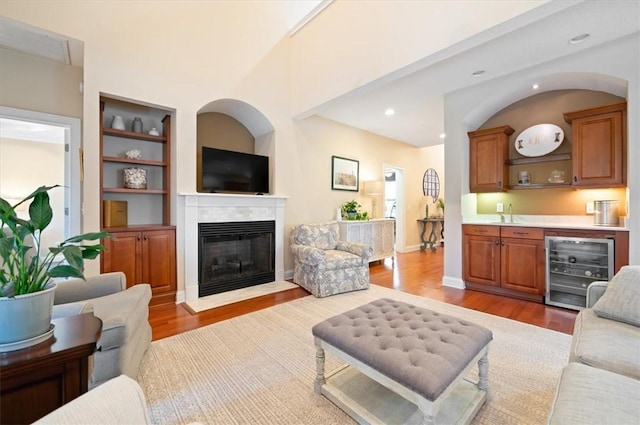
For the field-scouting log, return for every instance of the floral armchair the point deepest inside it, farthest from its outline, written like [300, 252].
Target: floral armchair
[325, 265]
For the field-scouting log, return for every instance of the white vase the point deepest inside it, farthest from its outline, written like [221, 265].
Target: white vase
[117, 123]
[25, 317]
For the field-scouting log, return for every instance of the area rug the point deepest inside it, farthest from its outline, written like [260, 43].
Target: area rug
[259, 368]
[230, 297]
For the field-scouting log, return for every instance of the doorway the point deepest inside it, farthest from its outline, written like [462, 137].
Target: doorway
[39, 149]
[394, 202]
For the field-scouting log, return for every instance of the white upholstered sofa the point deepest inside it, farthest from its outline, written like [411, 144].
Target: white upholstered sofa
[126, 333]
[601, 383]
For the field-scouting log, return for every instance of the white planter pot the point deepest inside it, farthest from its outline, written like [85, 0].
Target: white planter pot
[25, 317]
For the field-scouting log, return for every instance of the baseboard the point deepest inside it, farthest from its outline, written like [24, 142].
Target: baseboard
[180, 297]
[288, 274]
[453, 282]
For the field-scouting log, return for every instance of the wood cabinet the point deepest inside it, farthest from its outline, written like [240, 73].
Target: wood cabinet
[379, 234]
[599, 146]
[504, 260]
[144, 247]
[488, 153]
[144, 256]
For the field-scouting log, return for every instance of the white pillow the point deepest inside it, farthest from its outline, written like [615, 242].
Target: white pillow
[621, 300]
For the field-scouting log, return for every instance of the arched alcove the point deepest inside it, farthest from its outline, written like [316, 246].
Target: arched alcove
[508, 94]
[232, 124]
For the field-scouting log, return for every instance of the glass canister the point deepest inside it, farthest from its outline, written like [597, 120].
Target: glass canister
[135, 178]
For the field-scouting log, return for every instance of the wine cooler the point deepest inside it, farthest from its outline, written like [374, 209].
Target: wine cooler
[572, 264]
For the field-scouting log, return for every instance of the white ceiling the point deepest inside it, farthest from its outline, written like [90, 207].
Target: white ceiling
[418, 98]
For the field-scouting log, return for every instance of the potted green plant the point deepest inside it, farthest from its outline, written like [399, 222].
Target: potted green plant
[350, 209]
[27, 270]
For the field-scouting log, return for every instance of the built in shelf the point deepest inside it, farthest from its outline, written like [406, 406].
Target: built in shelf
[132, 135]
[132, 191]
[134, 161]
[540, 159]
[539, 186]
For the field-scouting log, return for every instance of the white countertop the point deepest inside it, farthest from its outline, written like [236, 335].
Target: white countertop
[550, 222]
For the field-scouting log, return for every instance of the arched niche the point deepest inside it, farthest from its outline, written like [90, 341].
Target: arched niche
[235, 125]
[501, 99]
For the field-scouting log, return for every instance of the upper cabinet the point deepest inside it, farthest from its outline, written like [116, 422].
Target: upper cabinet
[599, 146]
[488, 153]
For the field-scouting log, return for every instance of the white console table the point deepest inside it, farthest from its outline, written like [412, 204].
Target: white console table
[377, 233]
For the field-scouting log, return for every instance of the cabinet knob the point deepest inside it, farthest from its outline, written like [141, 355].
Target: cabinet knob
[575, 179]
[138, 238]
[145, 237]
[502, 243]
[497, 241]
[500, 183]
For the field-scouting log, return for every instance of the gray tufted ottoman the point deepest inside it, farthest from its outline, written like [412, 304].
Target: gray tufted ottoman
[405, 364]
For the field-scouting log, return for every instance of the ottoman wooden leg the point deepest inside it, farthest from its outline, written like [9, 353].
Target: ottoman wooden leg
[320, 380]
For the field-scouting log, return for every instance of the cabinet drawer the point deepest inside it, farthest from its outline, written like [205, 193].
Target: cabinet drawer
[522, 232]
[481, 230]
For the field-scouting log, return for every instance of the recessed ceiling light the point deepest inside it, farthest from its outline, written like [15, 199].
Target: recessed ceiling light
[477, 73]
[442, 135]
[389, 111]
[535, 87]
[579, 38]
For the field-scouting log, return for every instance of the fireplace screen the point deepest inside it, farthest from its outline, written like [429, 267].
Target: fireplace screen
[235, 255]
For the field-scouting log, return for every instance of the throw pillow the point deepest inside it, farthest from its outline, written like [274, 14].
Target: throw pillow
[621, 299]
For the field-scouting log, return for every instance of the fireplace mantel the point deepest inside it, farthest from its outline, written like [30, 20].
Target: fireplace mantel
[219, 208]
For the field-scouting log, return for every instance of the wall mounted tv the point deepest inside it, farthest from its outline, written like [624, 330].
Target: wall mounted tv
[227, 171]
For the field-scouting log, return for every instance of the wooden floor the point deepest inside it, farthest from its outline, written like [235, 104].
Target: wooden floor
[418, 273]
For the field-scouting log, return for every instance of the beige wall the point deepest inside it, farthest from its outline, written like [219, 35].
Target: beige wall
[309, 162]
[547, 107]
[220, 131]
[37, 84]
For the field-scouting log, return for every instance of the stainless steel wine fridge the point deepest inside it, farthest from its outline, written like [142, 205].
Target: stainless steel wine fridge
[572, 264]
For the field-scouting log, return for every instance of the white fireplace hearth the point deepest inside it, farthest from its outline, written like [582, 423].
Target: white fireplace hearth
[221, 208]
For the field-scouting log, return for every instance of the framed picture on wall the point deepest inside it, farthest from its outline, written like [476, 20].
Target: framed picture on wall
[344, 174]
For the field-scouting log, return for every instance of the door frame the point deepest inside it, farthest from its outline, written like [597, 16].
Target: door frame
[401, 217]
[72, 166]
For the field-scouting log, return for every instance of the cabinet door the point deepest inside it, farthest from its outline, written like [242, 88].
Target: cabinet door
[488, 153]
[522, 265]
[481, 262]
[598, 150]
[159, 260]
[122, 255]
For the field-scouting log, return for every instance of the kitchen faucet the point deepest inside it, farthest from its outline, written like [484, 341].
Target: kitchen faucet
[510, 214]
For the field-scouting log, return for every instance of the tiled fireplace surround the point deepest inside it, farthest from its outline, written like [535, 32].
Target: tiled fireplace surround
[220, 208]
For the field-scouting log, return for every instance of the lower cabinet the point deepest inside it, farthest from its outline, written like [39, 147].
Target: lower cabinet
[144, 255]
[379, 234]
[505, 260]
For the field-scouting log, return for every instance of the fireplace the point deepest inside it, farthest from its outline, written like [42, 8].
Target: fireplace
[234, 255]
[214, 208]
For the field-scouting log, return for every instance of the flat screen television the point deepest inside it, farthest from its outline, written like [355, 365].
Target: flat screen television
[227, 171]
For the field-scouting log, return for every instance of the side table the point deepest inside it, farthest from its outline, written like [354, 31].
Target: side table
[431, 240]
[36, 380]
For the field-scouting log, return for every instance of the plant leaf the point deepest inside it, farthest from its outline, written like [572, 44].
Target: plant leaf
[88, 237]
[90, 252]
[73, 255]
[65, 271]
[40, 212]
